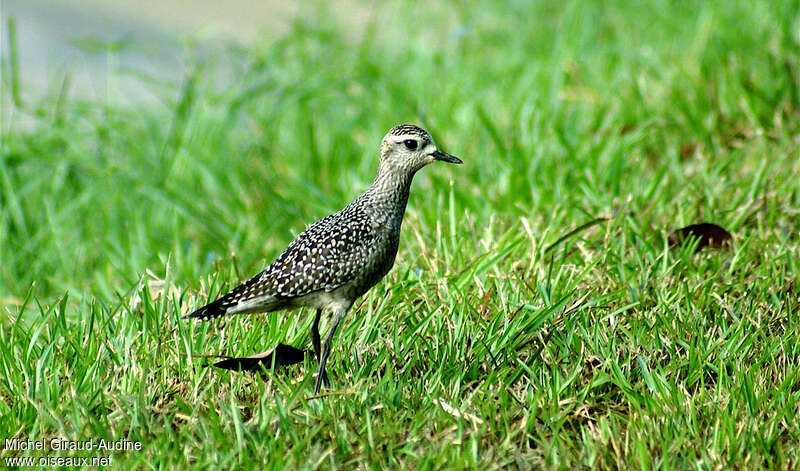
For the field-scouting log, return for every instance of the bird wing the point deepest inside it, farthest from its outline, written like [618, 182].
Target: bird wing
[325, 256]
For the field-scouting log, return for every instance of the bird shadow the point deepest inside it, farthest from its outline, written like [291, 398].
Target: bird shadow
[281, 355]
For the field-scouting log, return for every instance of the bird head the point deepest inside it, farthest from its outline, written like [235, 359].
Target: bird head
[408, 148]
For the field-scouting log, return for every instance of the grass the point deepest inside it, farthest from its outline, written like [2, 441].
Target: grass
[496, 341]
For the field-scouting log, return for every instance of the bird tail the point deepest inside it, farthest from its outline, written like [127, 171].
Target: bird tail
[209, 311]
[248, 297]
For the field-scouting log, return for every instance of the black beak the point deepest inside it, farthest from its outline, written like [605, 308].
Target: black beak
[439, 155]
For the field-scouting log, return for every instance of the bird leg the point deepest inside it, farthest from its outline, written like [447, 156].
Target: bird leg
[326, 348]
[315, 343]
[315, 333]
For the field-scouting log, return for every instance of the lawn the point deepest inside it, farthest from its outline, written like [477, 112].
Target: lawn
[536, 315]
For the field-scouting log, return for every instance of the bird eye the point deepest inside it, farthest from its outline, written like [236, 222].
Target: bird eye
[410, 144]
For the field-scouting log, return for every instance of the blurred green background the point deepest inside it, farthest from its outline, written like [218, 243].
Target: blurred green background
[584, 108]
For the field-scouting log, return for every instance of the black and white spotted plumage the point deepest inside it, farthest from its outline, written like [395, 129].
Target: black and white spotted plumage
[351, 246]
[338, 258]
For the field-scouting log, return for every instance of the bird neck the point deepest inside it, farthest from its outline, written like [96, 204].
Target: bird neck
[390, 189]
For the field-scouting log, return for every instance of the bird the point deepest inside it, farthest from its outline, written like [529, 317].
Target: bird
[339, 258]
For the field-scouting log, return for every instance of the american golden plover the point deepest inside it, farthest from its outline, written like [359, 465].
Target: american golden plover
[337, 259]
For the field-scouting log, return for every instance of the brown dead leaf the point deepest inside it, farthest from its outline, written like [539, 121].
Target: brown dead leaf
[709, 235]
[687, 150]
